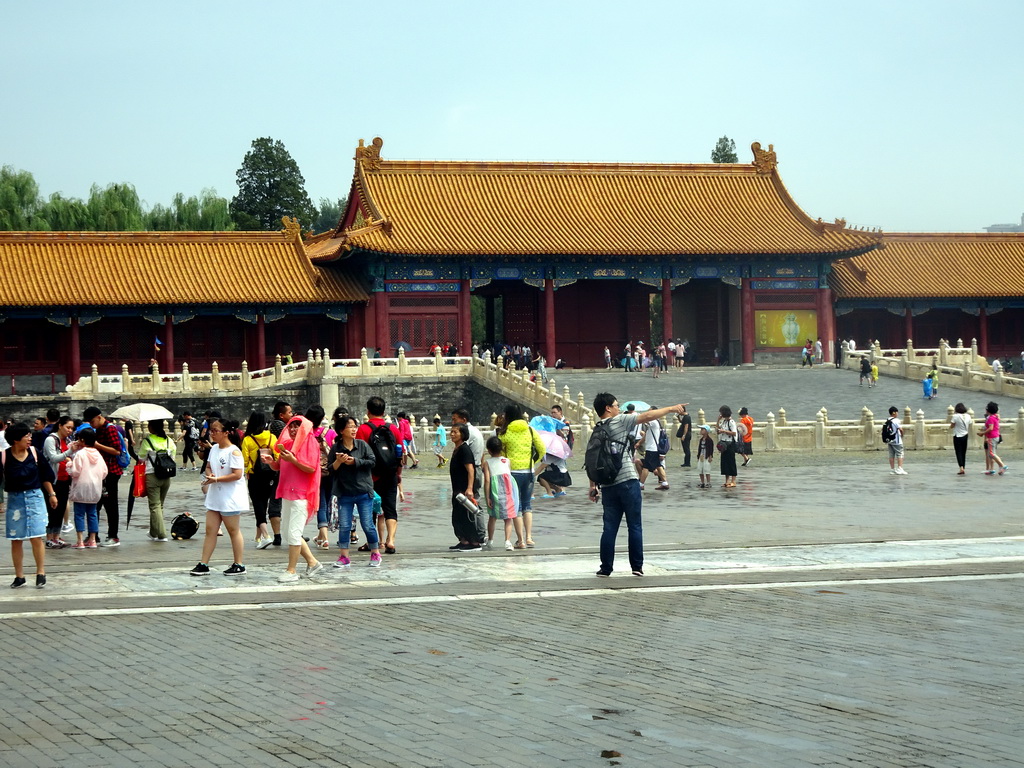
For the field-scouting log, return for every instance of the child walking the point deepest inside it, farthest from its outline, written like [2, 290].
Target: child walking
[87, 470]
[705, 453]
[440, 441]
[502, 491]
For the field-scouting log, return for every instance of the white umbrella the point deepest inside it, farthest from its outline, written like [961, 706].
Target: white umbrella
[142, 412]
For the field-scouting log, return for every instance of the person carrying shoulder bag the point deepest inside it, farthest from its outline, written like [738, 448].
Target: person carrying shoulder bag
[160, 468]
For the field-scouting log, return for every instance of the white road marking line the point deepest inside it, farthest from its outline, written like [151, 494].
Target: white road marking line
[582, 592]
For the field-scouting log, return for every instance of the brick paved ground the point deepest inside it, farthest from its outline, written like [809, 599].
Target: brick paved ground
[682, 671]
[908, 674]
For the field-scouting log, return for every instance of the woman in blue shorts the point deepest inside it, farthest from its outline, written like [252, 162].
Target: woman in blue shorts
[27, 478]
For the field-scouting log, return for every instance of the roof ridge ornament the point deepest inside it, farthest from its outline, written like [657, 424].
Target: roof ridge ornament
[370, 156]
[764, 161]
[292, 229]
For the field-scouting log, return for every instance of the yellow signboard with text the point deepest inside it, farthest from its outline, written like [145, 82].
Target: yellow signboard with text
[785, 327]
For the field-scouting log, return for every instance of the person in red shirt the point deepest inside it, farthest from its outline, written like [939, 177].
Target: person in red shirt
[385, 480]
[747, 443]
[108, 443]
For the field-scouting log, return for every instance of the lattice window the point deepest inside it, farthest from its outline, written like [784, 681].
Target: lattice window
[434, 302]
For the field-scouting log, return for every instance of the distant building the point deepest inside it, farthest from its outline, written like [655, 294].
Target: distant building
[1007, 227]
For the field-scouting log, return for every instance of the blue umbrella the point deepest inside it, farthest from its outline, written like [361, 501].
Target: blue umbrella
[546, 424]
[638, 405]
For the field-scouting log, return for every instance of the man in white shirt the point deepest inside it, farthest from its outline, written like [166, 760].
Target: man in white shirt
[653, 461]
[896, 444]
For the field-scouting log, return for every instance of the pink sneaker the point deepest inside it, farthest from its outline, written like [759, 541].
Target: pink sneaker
[91, 545]
[342, 562]
[79, 545]
[375, 560]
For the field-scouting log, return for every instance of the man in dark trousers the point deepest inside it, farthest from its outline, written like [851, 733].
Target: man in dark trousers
[684, 434]
[385, 481]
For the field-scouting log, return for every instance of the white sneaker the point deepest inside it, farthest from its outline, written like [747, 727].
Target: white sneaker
[508, 546]
[901, 471]
[264, 542]
[893, 472]
[286, 578]
[68, 527]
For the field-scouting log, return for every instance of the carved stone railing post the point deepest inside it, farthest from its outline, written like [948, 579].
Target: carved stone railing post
[943, 352]
[214, 377]
[94, 379]
[1018, 438]
[868, 420]
[325, 359]
[974, 351]
[364, 362]
[186, 378]
[278, 370]
[782, 417]
[245, 376]
[403, 366]
[973, 441]
[126, 379]
[154, 377]
[920, 433]
[910, 349]
[438, 362]
[819, 431]
[965, 375]
[769, 432]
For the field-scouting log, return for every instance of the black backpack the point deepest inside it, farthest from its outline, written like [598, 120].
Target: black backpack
[888, 431]
[164, 465]
[260, 468]
[385, 449]
[604, 455]
[183, 527]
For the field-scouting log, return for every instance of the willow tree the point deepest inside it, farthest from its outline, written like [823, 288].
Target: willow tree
[19, 201]
[115, 208]
[206, 213]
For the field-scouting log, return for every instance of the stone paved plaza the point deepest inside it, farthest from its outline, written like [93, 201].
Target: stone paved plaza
[824, 613]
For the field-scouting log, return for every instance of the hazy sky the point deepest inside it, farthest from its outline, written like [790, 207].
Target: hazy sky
[902, 115]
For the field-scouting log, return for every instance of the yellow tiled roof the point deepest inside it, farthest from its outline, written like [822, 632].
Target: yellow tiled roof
[142, 268]
[947, 265]
[517, 208]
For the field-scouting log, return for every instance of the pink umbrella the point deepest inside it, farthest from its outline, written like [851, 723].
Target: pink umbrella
[555, 444]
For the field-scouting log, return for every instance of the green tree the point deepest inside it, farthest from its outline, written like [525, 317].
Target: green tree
[66, 214]
[270, 186]
[115, 208]
[330, 214]
[206, 213]
[19, 201]
[724, 151]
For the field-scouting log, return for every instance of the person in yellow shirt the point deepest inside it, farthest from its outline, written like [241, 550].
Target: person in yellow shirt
[259, 477]
[524, 448]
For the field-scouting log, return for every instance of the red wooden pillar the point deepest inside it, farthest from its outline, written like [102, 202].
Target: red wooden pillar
[261, 342]
[168, 343]
[826, 323]
[465, 318]
[747, 320]
[75, 367]
[908, 326]
[377, 333]
[983, 333]
[549, 321]
[666, 310]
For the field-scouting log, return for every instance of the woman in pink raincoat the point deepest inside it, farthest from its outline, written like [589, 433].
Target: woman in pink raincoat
[299, 491]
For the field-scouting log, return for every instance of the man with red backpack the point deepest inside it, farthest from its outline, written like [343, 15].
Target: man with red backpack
[386, 443]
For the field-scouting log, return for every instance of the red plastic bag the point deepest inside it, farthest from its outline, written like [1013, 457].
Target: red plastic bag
[139, 481]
